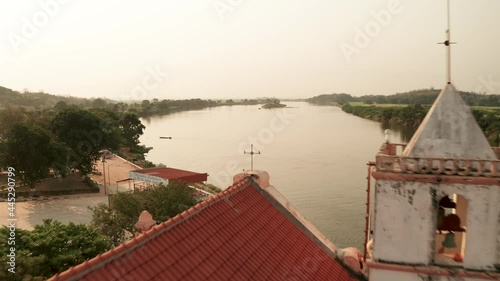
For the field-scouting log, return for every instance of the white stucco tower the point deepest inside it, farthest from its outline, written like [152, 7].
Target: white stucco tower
[437, 201]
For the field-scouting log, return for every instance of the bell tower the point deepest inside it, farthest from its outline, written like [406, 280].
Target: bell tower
[437, 198]
[436, 210]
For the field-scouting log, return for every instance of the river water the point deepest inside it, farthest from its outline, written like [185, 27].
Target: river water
[316, 156]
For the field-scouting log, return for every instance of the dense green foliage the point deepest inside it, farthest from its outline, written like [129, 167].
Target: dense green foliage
[81, 131]
[425, 96]
[32, 152]
[331, 99]
[490, 124]
[118, 220]
[35, 142]
[157, 107]
[412, 115]
[37, 100]
[43, 101]
[132, 129]
[50, 248]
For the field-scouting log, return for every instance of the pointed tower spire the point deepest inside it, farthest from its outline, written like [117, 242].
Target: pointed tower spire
[449, 129]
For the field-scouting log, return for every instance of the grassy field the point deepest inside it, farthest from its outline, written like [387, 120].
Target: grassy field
[491, 109]
[359, 103]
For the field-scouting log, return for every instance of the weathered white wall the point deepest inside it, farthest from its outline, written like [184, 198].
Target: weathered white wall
[405, 221]
[387, 275]
[449, 278]
[498, 238]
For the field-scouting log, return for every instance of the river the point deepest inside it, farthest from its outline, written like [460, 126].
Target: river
[316, 156]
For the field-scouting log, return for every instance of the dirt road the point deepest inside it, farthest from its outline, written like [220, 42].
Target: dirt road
[117, 171]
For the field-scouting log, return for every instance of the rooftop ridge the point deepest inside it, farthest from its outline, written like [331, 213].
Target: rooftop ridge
[270, 221]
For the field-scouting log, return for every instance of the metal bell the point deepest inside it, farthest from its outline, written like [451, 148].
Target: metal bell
[449, 241]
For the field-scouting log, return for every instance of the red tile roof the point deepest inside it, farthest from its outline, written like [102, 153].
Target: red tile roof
[243, 233]
[174, 174]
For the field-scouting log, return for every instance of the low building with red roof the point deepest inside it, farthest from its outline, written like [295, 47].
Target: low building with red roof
[164, 175]
[247, 232]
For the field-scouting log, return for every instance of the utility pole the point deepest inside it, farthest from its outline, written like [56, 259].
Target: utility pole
[251, 155]
[104, 173]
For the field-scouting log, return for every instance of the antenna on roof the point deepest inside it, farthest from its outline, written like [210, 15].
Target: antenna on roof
[251, 155]
[447, 44]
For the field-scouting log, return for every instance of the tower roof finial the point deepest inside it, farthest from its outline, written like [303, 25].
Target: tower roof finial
[447, 44]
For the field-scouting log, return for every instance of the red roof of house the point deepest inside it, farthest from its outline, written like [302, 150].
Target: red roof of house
[174, 174]
[246, 232]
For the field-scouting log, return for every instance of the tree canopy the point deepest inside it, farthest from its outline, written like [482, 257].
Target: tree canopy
[81, 131]
[423, 96]
[63, 139]
[50, 248]
[30, 150]
[131, 128]
[163, 202]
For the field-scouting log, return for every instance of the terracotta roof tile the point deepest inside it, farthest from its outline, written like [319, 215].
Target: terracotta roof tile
[241, 234]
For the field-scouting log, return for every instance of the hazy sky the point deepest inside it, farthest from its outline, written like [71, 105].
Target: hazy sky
[242, 49]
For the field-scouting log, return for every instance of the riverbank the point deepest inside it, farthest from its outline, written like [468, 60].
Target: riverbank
[407, 115]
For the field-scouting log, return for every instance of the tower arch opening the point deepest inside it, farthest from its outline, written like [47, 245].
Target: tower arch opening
[450, 230]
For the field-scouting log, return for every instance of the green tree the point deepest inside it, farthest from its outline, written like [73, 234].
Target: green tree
[132, 129]
[50, 248]
[109, 223]
[30, 151]
[81, 131]
[99, 103]
[163, 202]
[9, 117]
[110, 126]
[60, 105]
[145, 106]
[120, 107]
[27, 266]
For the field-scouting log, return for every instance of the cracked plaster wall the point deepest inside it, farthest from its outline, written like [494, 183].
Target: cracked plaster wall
[405, 219]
